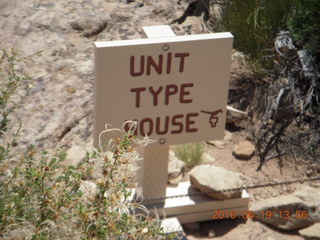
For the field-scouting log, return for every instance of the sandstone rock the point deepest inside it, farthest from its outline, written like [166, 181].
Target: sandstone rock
[270, 238]
[312, 232]
[54, 41]
[289, 203]
[309, 194]
[235, 115]
[244, 150]
[221, 143]
[207, 159]
[239, 68]
[210, 178]
[76, 152]
[192, 25]
[176, 169]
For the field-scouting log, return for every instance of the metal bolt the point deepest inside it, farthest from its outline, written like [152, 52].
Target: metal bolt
[162, 140]
[165, 47]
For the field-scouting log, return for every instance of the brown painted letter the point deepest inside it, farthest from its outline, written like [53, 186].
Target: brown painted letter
[155, 94]
[181, 56]
[175, 123]
[166, 126]
[157, 67]
[136, 74]
[183, 93]
[137, 91]
[141, 126]
[171, 89]
[169, 58]
[190, 122]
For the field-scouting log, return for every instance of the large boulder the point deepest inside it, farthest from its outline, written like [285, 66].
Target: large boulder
[54, 41]
[208, 178]
[295, 211]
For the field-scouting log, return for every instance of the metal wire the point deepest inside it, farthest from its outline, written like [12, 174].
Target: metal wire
[270, 184]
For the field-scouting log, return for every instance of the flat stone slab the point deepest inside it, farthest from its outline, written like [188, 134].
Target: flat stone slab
[244, 150]
[208, 178]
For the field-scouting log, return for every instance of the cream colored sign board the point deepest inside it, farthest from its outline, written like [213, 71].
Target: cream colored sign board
[176, 88]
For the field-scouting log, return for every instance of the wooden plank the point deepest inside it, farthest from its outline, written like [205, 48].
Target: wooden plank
[196, 208]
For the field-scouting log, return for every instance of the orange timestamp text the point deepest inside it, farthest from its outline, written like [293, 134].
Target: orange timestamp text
[248, 214]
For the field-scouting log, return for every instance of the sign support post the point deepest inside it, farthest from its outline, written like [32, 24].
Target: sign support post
[153, 173]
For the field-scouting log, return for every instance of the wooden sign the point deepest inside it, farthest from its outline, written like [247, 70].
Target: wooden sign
[175, 87]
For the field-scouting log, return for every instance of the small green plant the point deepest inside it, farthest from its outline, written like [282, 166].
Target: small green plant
[190, 153]
[11, 80]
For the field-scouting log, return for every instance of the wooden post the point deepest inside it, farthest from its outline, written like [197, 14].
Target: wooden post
[153, 173]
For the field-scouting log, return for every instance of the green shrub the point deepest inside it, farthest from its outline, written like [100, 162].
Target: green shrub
[10, 81]
[255, 24]
[190, 153]
[41, 197]
[304, 26]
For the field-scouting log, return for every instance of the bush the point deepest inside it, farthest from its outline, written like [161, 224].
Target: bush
[304, 26]
[255, 24]
[189, 153]
[291, 98]
[43, 198]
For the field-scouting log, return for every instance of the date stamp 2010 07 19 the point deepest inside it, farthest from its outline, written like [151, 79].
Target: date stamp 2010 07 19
[248, 214]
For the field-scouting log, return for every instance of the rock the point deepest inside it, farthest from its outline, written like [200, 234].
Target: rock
[211, 233]
[289, 203]
[270, 238]
[176, 169]
[312, 232]
[210, 178]
[235, 115]
[76, 152]
[244, 150]
[54, 41]
[191, 25]
[239, 69]
[207, 158]
[308, 194]
[221, 143]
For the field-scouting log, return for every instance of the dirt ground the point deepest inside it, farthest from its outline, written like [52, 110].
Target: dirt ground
[251, 229]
